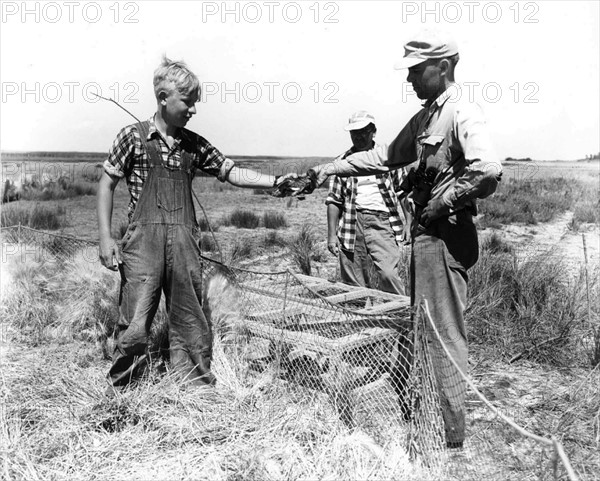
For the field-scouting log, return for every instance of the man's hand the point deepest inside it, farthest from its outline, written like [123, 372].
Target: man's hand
[110, 256]
[321, 173]
[434, 209]
[285, 185]
[333, 245]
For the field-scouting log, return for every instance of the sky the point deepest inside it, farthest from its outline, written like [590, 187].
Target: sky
[282, 78]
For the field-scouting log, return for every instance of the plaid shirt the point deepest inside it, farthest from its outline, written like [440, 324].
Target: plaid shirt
[342, 192]
[127, 157]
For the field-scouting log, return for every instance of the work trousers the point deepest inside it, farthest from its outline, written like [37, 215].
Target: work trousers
[375, 261]
[440, 258]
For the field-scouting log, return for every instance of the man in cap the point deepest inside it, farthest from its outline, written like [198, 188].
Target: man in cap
[456, 165]
[365, 221]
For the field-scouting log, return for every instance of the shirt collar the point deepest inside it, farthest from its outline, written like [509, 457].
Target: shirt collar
[152, 131]
[440, 100]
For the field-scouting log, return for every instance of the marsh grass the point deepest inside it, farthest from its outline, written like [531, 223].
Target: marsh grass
[527, 306]
[242, 218]
[530, 201]
[274, 220]
[241, 249]
[205, 225]
[585, 212]
[56, 423]
[303, 248]
[62, 188]
[37, 217]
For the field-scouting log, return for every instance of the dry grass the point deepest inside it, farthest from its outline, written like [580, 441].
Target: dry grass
[56, 422]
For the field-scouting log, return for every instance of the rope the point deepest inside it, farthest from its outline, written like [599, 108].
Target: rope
[545, 441]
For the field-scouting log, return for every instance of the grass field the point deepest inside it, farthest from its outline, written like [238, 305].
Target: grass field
[529, 304]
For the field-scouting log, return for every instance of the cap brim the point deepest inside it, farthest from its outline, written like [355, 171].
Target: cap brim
[357, 125]
[408, 62]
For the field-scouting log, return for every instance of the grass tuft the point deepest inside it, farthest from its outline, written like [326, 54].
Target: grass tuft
[241, 218]
[274, 220]
[303, 248]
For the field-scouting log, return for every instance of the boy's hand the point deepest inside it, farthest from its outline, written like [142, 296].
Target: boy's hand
[110, 256]
[333, 245]
[293, 185]
[306, 184]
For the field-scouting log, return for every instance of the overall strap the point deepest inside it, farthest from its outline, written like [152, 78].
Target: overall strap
[187, 148]
[152, 148]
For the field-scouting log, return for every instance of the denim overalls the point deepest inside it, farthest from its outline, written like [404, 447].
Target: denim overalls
[160, 252]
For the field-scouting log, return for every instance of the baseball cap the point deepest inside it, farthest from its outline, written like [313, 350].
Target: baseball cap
[359, 120]
[427, 44]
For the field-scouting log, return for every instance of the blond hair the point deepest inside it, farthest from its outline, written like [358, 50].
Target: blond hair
[172, 75]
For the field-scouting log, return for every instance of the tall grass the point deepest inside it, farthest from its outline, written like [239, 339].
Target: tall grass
[63, 188]
[37, 217]
[530, 201]
[585, 212]
[303, 248]
[528, 307]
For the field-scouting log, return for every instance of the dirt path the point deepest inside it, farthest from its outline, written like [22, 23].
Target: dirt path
[556, 239]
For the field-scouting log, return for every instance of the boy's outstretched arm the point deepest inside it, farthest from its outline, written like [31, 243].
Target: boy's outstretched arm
[109, 251]
[248, 178]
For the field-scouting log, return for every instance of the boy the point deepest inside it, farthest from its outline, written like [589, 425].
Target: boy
[159, 251]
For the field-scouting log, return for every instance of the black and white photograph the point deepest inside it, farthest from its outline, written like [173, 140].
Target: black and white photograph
[300, 240]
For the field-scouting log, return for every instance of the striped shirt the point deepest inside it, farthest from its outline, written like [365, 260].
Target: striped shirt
[128, 158]
[342, 192]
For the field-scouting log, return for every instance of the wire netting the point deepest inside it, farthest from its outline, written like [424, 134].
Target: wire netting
[381, 365]
[385, 370]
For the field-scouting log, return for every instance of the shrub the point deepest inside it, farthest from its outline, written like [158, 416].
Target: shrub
[244, 219]
[38, 217]
[274, 220]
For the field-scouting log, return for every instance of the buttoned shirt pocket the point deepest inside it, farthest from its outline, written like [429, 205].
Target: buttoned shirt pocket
[430, 149]
[170, 194]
